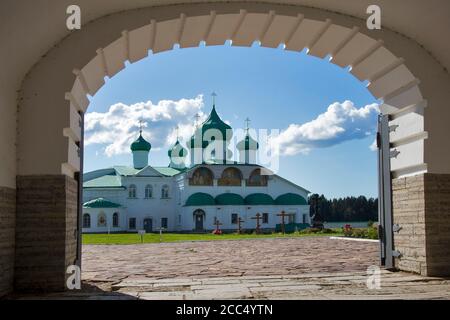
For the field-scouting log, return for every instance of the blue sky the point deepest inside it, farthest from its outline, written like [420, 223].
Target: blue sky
[276, 89]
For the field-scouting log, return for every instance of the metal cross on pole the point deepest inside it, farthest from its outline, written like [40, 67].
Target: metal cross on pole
[258, 225]
[282, 215]
[247, 124]
[240, 221]
[160, 234]
[217, 223]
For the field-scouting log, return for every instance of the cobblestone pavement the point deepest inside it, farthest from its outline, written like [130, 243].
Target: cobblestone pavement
[290, 268]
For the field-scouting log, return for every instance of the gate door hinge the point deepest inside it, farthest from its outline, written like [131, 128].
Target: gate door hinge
[396, 254]
[393, 128]
[394, 153]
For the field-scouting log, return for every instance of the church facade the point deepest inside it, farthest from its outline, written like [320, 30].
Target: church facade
[213, 191]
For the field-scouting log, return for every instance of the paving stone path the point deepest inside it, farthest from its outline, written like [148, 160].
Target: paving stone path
[289, 268]
[279, 256]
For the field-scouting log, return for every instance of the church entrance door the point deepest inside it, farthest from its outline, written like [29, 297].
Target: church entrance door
[148, 225]
[199, 217]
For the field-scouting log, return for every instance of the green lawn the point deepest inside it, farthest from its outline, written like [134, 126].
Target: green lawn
[133, 238]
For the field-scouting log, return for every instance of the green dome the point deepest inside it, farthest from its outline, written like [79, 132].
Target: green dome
[200, 199]
[140, 144]
[227, 199]
[290, 199]
[248, 144]
[212, 123]
[100, 203]
[259, 199]
[177, 151]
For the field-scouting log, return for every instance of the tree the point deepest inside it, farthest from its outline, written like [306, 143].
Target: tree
[349, 209]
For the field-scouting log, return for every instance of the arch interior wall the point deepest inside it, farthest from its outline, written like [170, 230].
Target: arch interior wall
[410, 83]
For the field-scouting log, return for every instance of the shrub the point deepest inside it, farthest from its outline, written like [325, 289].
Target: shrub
[372, 233]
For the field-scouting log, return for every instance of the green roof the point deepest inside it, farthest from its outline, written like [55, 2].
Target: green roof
[140, 144]
[290, 199]
[229, 199]
[167, 171]
[177, 151]
[100, 203]
[248, 144]
[200, 199]
[107, 181]
[259, 199]
[126, 171]
[213, 122]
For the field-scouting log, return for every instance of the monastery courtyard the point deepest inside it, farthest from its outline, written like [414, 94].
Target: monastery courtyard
[289, 268]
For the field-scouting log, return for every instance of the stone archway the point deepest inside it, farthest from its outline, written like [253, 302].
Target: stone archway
[398, 75]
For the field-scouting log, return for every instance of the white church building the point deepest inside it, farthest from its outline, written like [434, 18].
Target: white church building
[178, 198]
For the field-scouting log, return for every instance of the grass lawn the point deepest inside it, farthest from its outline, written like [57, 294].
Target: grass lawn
[133, 238]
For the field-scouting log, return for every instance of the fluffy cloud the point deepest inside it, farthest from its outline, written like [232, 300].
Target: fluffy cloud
[117, 128]
[341, 122]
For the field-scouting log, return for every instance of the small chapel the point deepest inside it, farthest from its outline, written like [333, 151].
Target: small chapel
[211, 191]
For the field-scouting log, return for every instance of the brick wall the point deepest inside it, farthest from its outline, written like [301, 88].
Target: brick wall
[437, 218]
[421, 207]
[7, 230]
[45, 232]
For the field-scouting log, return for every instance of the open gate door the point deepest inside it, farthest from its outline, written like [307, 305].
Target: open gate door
[385, 232]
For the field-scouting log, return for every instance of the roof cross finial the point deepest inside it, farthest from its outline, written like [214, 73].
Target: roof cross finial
[247, 124]
[140, 126]
[197, 118]
[214, 95]
[177, 128]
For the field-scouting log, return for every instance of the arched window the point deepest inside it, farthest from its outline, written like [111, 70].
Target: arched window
[132, 191]
[101, 220]
[202, 177]
[165, 192]
[86, 220]
[115, 219]
[256, 179]
[230, 177]
[148, 191]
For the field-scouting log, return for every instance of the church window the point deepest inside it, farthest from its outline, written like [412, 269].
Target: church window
[305, 217]
[148, 191]
[86, 220]
[234, 218]
[165, 192]
[132, 191]
[256, 179]
[202, 177]
[101, 220]
[230, 177]
[164, 223]
[115, 219]
[291, 218]
[132, 223]
[265, 218]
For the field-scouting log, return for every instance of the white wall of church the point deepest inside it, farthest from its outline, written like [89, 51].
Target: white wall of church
[98, 226]
[181, 218]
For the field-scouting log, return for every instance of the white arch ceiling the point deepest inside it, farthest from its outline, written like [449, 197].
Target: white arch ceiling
[389, 78]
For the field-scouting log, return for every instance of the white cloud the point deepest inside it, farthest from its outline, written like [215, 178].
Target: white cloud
[341, 122]
[117, 128]
[374, 146]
